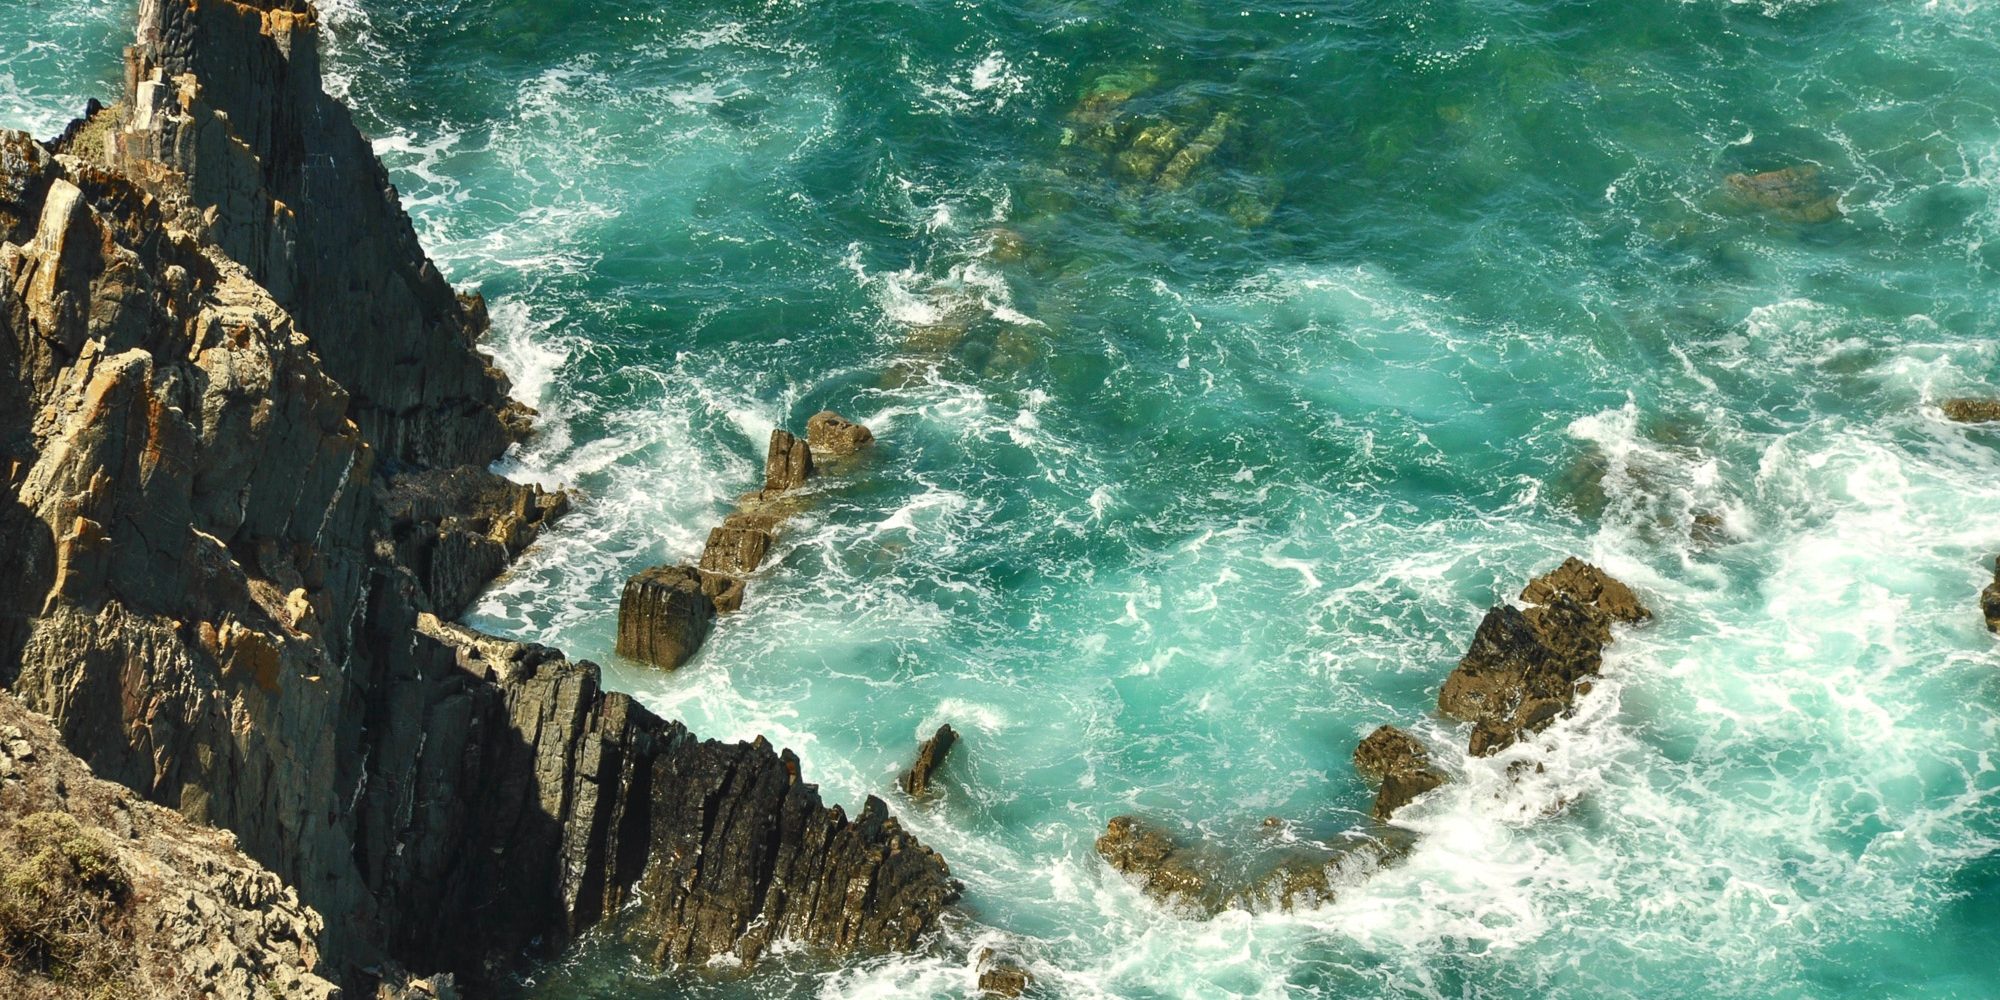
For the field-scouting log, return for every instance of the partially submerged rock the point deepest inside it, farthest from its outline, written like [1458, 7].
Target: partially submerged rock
[829, 434]
[1154, 858]
[1989, 600]
[1525, 669]
[917, 780]
[1795, 194]
[1000, 975]
[665, 615]
[1398, 763]
[1967, 410]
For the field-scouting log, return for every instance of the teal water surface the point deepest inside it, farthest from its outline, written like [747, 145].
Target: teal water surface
[1184, 487]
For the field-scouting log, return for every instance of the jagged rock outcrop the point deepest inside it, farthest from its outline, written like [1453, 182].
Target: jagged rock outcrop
[244, 432]
[230, 128]
[916, 781]
[1525, 669]
[103, 894]
[1400, 765]
[665, 612]
[1972, 411]
[736, 850]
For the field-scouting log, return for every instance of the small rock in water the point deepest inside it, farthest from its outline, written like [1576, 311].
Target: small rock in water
[788, 464]
[1989, 600]
[1973, 411]
[1000, 976]
[1525, 669]
[830, 434]
[1402, 766]
[665, 615]
[917, 780]
[1136, 847]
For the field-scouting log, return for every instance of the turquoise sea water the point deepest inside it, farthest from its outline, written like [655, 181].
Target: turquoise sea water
[1182, 490]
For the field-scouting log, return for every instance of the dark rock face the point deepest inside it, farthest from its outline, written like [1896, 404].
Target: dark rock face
[747, 854]
[1972, 411]
[458, 528]
[1989, 600]
[1395, 760]
[243, 428]
[664, 616]
[833, 436]
[917, 780]
[1525, 669]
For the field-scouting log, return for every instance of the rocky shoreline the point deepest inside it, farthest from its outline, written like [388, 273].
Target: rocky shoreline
[245, 433]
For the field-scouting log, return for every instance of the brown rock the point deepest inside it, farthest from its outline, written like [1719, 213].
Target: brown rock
[917, 780]
[1989, 600]
[1523, 669]
[1166, 872]
[734, 551]
[789, 463]
[1590, 585]
[1973, 411]
[1400, 764]
[1001, 976]
[830, 434]
[665, 615]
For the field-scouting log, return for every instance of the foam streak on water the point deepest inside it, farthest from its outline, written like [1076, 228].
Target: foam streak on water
[1181, 490]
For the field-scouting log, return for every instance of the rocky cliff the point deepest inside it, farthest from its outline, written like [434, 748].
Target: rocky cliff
[104, 895]
[244, 430]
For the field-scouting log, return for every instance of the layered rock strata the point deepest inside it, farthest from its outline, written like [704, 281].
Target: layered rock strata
[244, 431]
[107, 895]
[666, 612]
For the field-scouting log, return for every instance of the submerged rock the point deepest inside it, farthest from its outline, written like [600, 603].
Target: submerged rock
[1795, 194]
[1524, 669]
[665, 615]
[1972, 411]
[917, 780]
[1402, 767]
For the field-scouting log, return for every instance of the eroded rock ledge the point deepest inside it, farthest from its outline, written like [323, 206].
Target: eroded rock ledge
[244, 438]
